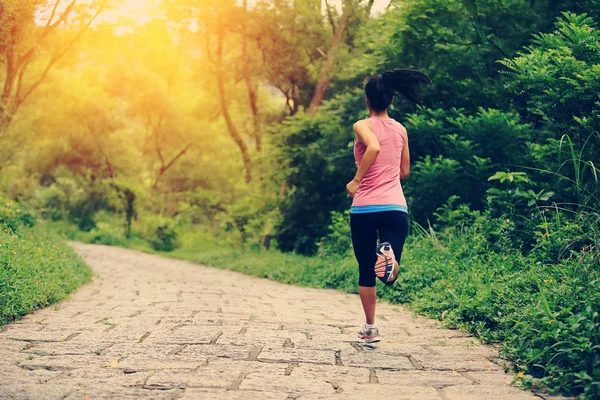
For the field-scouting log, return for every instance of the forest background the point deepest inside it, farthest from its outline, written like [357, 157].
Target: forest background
[221, 132]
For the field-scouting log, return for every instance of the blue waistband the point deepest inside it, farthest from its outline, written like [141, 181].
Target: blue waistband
[378, 208]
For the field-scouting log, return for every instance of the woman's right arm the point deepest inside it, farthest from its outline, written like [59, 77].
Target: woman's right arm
[365, 134]
[405, 161]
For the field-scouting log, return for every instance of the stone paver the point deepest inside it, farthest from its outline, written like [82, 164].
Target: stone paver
[156, 328]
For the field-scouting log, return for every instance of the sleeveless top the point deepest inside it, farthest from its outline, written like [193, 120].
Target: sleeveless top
[380, 189]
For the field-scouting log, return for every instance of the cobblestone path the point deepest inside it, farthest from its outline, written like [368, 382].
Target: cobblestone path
[155, 328]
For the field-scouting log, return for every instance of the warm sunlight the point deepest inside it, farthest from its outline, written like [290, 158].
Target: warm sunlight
[382, 160]
[136, 11]
[123, 14]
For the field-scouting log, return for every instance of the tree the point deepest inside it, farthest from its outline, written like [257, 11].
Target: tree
[327, 67]
[351, 11]
[24, 43]
[153, 92]
[81, 130]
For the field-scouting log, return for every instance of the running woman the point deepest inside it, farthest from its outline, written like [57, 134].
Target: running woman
[379, 206]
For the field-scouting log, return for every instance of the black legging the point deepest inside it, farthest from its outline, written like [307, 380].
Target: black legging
[392, 227]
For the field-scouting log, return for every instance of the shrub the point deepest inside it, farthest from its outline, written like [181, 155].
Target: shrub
[14, 215]
[66, 230]
[252, 220]
[83, 211]
[164, 237]
[105, 233]
[202, 207]
[54, 203]
[338, 240]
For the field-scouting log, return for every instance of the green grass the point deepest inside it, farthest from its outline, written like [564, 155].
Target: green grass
[37, 268]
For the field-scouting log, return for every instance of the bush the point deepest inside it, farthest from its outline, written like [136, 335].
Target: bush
[202, 207]
[84, 210]
[54, 203]
[252, 221]
[14, 215]
[36, 269]
[105, 233]
[164, 237]
[338, 240]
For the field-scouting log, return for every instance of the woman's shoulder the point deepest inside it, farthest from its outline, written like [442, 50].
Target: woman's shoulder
[363, 123]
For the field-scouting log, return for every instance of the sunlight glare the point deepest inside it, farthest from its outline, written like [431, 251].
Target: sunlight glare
[138, 12]
[125, 14]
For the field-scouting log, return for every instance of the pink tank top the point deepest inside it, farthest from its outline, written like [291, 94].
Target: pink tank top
[381, 184]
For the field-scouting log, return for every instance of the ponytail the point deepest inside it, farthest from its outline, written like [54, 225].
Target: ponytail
[380, 89]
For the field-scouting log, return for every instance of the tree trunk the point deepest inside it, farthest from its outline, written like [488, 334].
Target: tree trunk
[295, 98]
[326, 69]
[252, 89]
[370, 7]
[255, 117]
[266, 242]
[233, 130]
[5, 106]
[225, 110]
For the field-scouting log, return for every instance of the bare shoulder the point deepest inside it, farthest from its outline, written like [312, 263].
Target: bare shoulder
[362, 124]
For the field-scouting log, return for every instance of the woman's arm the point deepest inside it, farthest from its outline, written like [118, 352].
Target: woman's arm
[365, 134]
[405, 161]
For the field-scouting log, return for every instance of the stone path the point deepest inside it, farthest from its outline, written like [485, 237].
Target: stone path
[155, 328]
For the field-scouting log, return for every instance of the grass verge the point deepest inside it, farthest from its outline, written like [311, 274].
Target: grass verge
[37, 268]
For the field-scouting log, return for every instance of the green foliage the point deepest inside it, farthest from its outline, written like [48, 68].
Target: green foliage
[456, 152]
[516, 195]
[458, 43]
[66, 230]
[252, 221]
[15, 215]
[457, 216]
[54, 203]
[202, 207]
[558, 74]
[164, 236]
[562, 235]
[557, 80]
[338, 241]
[37, 268]
[85, 208]
[108, 234]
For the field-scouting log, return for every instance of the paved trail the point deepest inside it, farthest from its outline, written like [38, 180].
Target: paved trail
[151, 327]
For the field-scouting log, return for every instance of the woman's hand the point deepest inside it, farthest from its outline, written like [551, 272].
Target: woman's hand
[352, 187]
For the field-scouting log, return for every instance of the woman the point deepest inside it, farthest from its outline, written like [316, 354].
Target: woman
[379, 206]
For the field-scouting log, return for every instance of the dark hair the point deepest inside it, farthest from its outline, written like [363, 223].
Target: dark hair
[380, 89]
